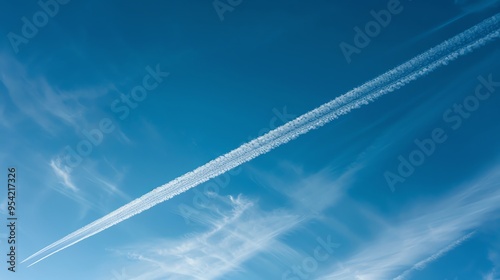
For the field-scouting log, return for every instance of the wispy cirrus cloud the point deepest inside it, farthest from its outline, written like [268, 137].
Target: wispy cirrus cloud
[494, 258]
[44, 104]
[87, 186]
[63, 172]
[402, 245]
[237, 232]
[110, 187]
[441, 253]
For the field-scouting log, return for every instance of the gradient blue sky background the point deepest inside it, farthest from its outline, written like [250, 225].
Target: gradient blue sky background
[229, 81]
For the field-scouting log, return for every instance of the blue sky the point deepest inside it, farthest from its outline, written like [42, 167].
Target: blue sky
[319, 207]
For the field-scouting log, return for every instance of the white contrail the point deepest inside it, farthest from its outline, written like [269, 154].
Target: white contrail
[394, 79]
[423, 264]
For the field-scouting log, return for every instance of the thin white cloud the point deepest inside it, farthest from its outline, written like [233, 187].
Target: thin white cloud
[494, 273]
[236, 235]
[238, 231]
[94, 171]
[309, 195]
[45, 105]
[80, 198]
[68, 188]
[489, 276]
[63, 173]
[110, 187]
[399, 247]
[423, 264]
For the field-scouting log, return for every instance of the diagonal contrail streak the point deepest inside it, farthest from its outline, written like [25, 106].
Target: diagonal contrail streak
[441, 55]
[434, 257]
